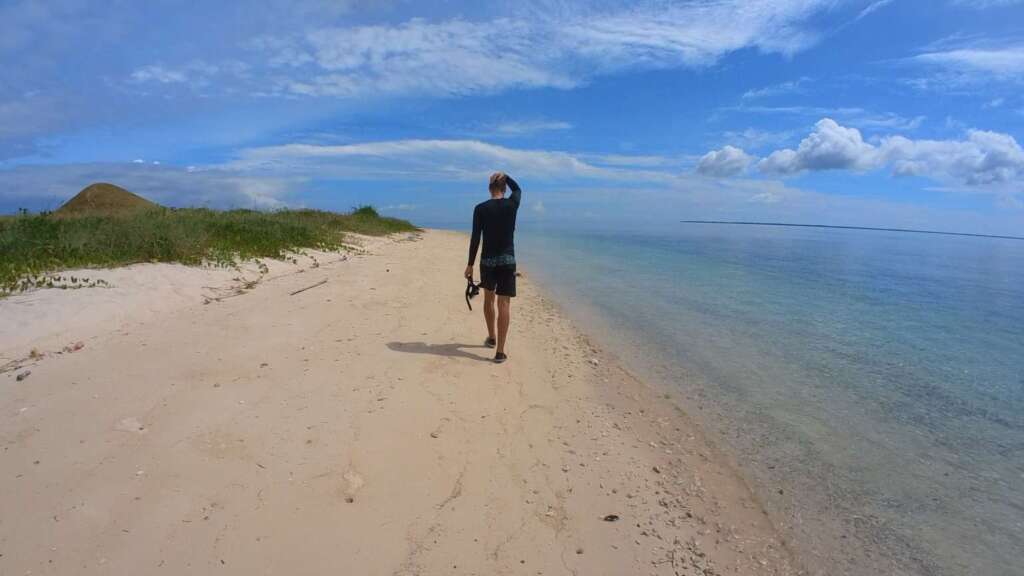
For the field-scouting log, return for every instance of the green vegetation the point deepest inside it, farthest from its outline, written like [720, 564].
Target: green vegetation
[35, 244]
[368, 211]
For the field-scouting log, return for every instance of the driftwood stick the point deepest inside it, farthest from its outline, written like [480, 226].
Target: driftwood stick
[320, 283]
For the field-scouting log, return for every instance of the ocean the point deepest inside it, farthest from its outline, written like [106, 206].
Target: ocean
[869, 385]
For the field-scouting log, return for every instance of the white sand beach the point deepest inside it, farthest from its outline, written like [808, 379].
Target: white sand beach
[357, 427]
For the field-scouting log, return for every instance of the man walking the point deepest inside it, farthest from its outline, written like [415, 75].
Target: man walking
[495, 219]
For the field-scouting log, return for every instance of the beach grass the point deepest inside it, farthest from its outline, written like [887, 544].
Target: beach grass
[35, 244]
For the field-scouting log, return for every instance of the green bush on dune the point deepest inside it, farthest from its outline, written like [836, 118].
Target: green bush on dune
[33, 244]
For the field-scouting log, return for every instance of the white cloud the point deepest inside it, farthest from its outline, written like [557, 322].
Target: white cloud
[297, 49]
[984, 161]
[525, 127]
[829, 147]
[985, 3]
[195, 75]
[729, 161]
[449, 58]
[871, 8]
[553, 48]
[754, 138]
[1001, 61]
[632, 160]
[432, 160]
[693, 34]
[887, 121]
[158, 74]
[984, 158]
[788, 87]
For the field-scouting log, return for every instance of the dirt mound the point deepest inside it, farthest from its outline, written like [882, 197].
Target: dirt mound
[104, 198]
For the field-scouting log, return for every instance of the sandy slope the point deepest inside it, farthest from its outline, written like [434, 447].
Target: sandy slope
[358, 428]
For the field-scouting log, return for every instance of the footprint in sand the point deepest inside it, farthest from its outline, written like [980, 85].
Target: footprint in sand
[353, 482]
[130, 424]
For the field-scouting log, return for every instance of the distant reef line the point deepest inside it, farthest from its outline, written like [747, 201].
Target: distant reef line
[874, 229]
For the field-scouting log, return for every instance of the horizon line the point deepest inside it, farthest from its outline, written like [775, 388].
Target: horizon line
[906, 230]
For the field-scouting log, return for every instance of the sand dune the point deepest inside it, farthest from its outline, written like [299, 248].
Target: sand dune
[353, 428]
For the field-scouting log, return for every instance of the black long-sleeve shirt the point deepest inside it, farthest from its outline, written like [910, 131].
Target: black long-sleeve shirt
[495, 219]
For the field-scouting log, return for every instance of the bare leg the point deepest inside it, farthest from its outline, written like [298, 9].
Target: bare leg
[504, 316]
[489, 312]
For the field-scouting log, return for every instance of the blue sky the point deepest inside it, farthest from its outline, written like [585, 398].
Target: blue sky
[892, 113]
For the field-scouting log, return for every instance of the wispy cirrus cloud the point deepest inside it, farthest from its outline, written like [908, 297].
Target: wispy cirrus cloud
[872, 8]
[437, 160]
[196, 74]
[1005, 61]
[455, 56]
[357, 49]
[788, 87]
[753, 138]
[526, 127]
[981, 4]
[961, 64]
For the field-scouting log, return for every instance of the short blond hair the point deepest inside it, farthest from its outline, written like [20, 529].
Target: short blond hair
[498, 182]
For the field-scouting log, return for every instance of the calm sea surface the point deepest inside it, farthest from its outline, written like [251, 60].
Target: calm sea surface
[870, 385]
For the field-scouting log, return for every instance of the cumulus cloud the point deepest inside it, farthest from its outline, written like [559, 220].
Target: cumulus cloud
[829, 147]
[984, 160]
[729, 161]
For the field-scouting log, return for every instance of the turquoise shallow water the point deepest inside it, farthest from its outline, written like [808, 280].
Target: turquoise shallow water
[870, 385]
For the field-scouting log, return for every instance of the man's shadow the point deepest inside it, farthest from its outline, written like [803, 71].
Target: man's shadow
[454, 350]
